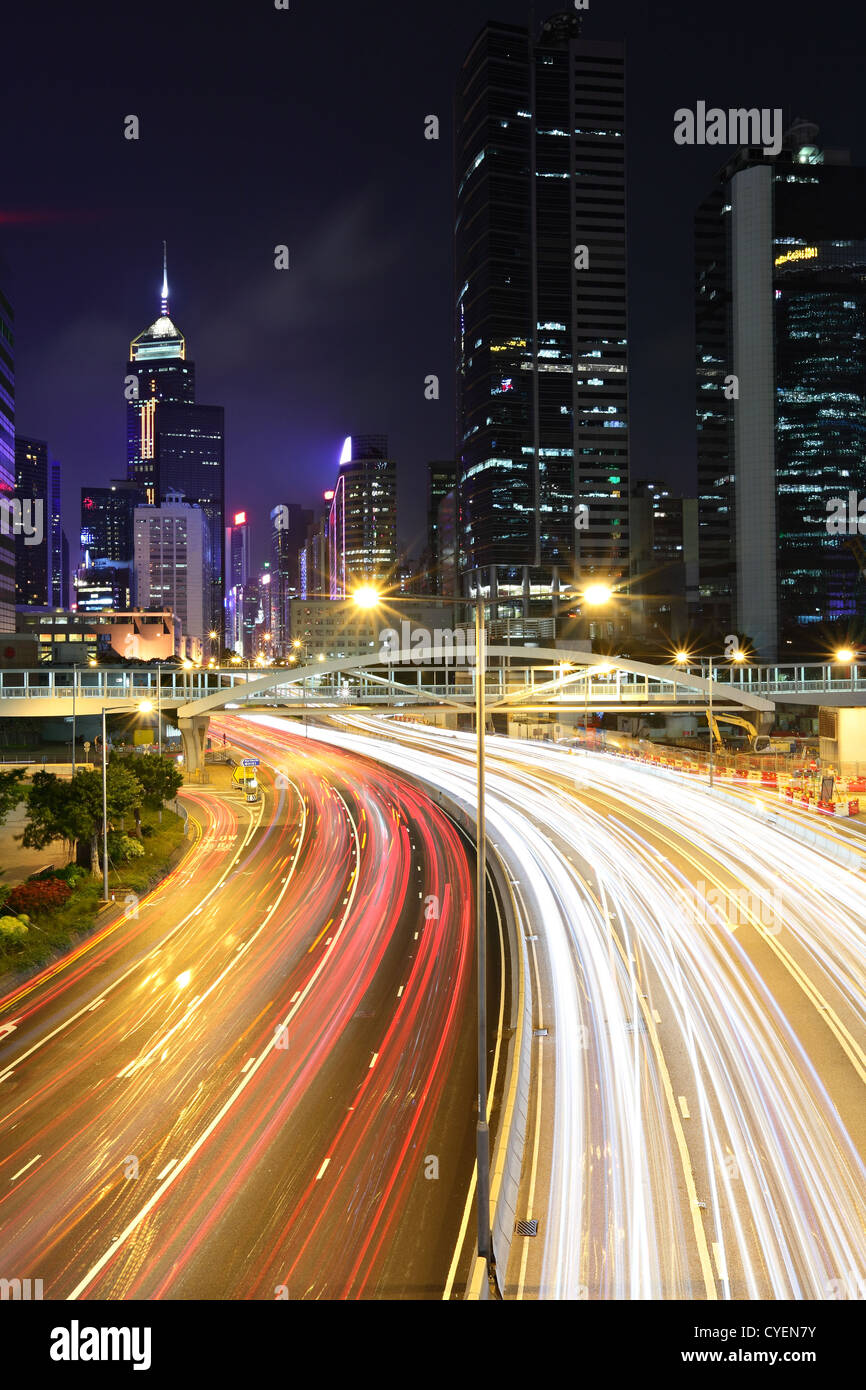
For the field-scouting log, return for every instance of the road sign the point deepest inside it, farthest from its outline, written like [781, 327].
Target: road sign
[250, 762]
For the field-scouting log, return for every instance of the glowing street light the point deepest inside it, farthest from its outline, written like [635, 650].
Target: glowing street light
[367, 597]
[597, 595]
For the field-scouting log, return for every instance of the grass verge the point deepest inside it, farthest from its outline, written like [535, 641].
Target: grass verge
[52, 933]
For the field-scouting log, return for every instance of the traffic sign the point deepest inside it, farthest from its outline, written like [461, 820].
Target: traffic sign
[250, 762]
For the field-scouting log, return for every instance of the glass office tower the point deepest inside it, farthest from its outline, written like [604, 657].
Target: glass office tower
[541, 329]
[175, 445]
[781, 315]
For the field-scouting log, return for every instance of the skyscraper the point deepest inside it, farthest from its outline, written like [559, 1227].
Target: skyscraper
[362, 524]
[781, 376]
[441, 480]
[107, 537]
[289, 523]
[33, 552]
[540, 332]
[7, 458]
[172, 564]
[238, 549]
[59, 545]
[175, 444]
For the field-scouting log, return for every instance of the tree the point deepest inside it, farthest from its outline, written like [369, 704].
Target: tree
[10, 790]
[157, 776]
[72, 811]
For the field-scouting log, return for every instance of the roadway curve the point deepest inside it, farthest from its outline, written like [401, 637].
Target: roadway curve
[262, 1085]
[697, 1120]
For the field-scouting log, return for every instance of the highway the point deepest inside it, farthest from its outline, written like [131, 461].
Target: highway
[698, 1128]
[259, 1083]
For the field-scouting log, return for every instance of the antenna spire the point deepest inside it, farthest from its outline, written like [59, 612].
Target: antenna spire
[164, 301]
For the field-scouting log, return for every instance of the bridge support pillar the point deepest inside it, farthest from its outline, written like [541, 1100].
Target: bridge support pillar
[194, 732]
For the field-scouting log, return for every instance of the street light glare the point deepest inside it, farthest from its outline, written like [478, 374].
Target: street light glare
[145, 706]
[367, 597]
[845, 655]
[683, 658]
[738, 656]
[597, 595]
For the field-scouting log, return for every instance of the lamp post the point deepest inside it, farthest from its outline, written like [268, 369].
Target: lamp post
[847, 657]
[144, 707]
[683, 659]
[368, 597]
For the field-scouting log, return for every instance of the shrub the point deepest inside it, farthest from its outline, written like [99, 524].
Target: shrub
[122, 848]
[12, 927]
[40, 896]
[70, 873]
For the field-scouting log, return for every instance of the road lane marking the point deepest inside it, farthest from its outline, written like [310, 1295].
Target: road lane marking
[373, 1062]
[247, 1064]
[167, 1169]
[684, 1107]
[322, 1169]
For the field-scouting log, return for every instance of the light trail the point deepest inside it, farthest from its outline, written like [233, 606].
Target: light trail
[637, 885]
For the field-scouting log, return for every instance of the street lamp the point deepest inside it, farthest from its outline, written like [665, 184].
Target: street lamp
[847, 657]
[143, 707]
[91, 661]
[367, 597]
[683, 659]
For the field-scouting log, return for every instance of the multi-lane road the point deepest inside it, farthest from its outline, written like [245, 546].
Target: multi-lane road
[259, 1083]
[697, 1126]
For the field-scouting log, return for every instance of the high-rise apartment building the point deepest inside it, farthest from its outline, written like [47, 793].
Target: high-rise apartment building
[541, 331]
[781, 389]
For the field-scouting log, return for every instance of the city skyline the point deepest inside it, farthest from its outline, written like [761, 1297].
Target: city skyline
[365, 284]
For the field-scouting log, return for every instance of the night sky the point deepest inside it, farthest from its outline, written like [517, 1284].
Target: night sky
[261, 126]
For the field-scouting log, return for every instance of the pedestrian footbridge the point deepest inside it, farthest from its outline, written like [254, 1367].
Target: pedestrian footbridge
[518, 679]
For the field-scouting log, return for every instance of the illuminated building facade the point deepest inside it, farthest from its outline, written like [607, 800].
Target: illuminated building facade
[58, 558]
[32, 490]
[540, 330]
[175, 444]
[289, 527]
[107, 543]
[362, 522]
[7, 458]
[781, 330]
[172, 563]
[441, 481]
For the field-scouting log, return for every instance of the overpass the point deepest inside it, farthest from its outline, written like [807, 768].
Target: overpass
[518, 679]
